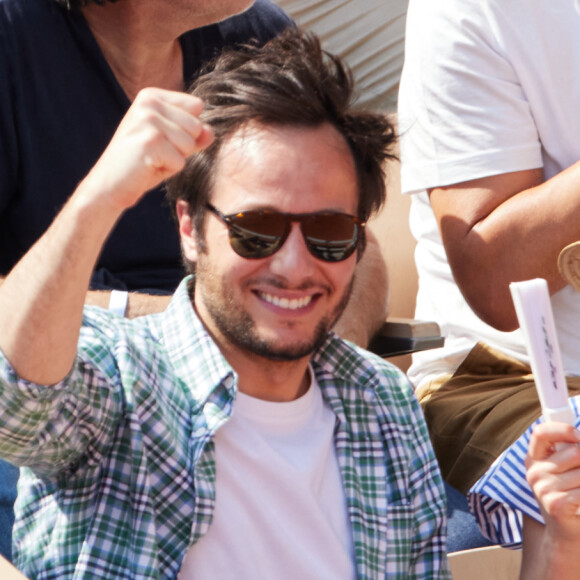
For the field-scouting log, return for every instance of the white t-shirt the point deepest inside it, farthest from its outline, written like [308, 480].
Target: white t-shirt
[488, 87]
[280, 508]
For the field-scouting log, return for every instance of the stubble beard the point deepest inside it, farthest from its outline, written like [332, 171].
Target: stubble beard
[237, 326]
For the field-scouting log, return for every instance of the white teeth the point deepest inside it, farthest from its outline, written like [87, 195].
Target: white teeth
[292, 304]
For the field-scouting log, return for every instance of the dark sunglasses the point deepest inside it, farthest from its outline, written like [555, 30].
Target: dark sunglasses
[329, 236]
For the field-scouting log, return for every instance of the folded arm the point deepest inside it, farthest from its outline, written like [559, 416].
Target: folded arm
[507, 228]
[42, 298]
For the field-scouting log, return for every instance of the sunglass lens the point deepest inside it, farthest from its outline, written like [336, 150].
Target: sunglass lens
[257, 234]
[331, 237]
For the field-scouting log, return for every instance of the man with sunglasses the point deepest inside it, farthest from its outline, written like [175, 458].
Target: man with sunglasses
[231, 436]
[69, 70]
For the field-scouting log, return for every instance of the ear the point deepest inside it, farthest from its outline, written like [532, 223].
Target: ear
[186, 231]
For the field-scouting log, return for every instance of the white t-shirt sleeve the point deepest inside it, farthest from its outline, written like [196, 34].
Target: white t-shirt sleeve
[462, 110]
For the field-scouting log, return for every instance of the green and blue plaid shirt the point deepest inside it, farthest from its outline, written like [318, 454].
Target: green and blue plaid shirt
[120, 454]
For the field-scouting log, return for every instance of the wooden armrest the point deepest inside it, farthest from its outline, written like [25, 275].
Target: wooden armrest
[9, 572]
[400, 336]
[489, 562]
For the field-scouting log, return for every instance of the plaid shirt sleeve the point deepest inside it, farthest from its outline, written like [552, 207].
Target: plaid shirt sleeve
[424, 495]
[50, 427]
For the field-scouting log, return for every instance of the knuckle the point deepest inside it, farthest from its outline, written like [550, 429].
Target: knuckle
[147, 94]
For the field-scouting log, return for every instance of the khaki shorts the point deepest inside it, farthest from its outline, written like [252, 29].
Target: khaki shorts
[476, 413]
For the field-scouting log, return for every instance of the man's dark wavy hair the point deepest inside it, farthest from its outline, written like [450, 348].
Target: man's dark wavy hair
[290, 81]
[70, 4]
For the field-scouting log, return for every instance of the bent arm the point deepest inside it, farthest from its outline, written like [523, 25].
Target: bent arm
[42, 298]
[507, 228]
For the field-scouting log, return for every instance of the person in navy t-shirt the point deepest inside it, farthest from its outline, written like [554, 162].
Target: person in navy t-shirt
[69, 70]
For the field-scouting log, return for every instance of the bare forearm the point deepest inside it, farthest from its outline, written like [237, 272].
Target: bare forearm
[546, 558]
[367, 308]
[41, 300]
[516, 235]
[551, 564]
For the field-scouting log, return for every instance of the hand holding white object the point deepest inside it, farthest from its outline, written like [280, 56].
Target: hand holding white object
[553, 464]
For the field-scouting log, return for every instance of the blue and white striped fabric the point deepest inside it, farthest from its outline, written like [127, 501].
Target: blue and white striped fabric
[502, 496]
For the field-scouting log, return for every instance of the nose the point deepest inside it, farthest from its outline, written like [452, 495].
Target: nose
[293, 261]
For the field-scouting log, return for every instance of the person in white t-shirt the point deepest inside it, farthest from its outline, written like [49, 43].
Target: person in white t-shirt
[488, 112]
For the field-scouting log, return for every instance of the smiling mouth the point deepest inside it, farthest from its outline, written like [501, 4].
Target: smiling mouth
[287, 303]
